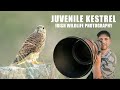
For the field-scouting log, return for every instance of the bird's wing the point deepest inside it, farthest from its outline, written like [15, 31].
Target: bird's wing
[26, 49]
[35, 38]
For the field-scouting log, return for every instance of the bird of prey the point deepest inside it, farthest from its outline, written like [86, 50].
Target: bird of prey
[32, 47]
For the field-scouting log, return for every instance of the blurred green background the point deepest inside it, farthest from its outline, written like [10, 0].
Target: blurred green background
[15, 26]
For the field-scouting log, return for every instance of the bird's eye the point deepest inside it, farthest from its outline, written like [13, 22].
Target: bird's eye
[43, 27]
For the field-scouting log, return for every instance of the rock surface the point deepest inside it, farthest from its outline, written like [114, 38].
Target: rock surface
[41, 71]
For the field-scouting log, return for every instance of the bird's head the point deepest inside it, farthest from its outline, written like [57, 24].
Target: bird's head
[40, 29]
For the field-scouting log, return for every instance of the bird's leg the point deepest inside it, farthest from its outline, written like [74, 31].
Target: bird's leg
[36, 62]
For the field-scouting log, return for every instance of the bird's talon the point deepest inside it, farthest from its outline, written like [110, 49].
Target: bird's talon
[36, 62]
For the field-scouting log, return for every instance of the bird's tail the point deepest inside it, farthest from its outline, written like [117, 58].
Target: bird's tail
[15, 62]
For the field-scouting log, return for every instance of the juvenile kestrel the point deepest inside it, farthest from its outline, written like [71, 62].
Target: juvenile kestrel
[32, 47]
